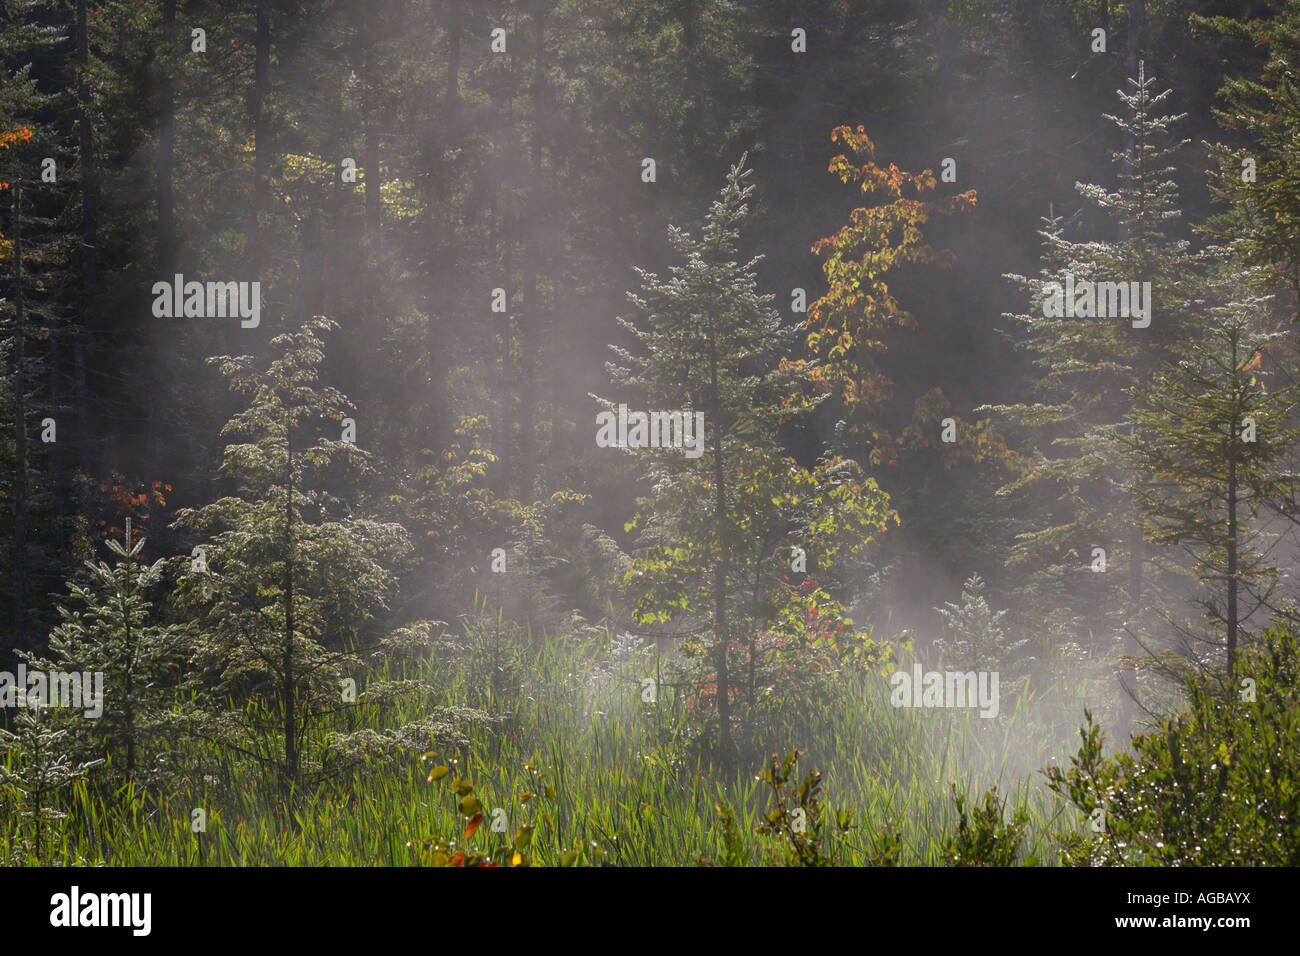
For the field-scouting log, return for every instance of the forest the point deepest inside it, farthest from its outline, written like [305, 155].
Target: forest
[680, 433]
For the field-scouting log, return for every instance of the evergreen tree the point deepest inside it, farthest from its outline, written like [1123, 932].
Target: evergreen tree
[287, 577]
[40, 769]
[1263, 177]
[1210, 450]
[1072, 480]
[978, 638]
[109, 631]
[30, 260]
[711, 343]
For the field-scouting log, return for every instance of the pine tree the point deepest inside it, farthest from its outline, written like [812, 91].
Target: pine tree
[1210, 447]
[39, 771]
[1072, 480]
[710, 342]
[287, 577]
[108, 631]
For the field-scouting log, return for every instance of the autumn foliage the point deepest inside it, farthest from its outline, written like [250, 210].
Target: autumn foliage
[846, 324]
[20, 135]
[123, 501]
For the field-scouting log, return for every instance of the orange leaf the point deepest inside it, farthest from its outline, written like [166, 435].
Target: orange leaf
[474, 824]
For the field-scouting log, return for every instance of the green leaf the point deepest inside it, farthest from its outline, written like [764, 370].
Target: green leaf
[523, 836]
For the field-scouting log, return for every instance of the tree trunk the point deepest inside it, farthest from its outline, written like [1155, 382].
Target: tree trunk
[508, 229]
[1232, 558]
[943, 72]
[1137, 14]
[720, 568]
[128, 705]
[1136, 550]
[1234, 455]
[89, 236]
[20, 430]
[1137, 153]
[89, 181]
[366, 12]
[438, 300]
[532, 314]
[167, 145]
[261, 128]
[166, 230]
[288, 691]
[691, 86]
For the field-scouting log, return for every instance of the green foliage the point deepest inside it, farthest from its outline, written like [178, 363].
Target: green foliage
[978, 638]
[1071, 493]
[493, 849]
[1210, 450]
[715, 533]
[1264, 107]
[37, 769]
[848, 325]
[1217, 784]
[310, 637]
[109, 630]
[797, 818]
[624, 794]
[982, 838]
[291, 577]
[493, 652]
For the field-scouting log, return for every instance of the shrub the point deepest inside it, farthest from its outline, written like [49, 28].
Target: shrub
[1215, 784]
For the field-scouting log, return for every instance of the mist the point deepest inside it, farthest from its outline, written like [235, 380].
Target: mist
[572, 432]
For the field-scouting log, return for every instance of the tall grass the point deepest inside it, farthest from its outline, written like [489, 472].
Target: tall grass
[621, 779]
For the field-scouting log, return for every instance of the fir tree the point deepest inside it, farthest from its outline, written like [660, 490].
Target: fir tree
[39, 771]
[711, 342]
[1210, 448]
[1072, 481]
[288, 576]
[108, 631]
[1265, 177]
[978, 638]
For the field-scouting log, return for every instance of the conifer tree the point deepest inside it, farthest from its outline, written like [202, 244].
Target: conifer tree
[710, 342]
[1265, 176]
[286, 576]
[108, 630]
[978, 638]
[1210, 448]
[39, 771]
[1089, 367]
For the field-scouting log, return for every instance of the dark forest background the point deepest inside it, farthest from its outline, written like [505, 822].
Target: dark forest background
[390, 164]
